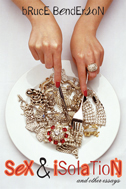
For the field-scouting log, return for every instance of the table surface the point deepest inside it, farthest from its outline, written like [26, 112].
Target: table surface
[16, 59]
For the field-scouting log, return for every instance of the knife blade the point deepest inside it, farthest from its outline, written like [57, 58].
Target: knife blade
[63, 103]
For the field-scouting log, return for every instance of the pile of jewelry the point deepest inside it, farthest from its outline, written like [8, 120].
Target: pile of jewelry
[45, 114]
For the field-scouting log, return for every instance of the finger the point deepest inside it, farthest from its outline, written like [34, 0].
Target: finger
[31, 44]
[97, 56]
[34, 52]
[41, 57]
[102, 56]
[92, 75]
[39, 50]
[74, 60]
[82, 77]
[101, 51]
[57, 68]
[90, 58]
[48, 60]
[98, 70]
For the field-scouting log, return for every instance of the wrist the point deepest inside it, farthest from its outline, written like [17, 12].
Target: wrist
[34, 19]
[36, 11]
[87, 25]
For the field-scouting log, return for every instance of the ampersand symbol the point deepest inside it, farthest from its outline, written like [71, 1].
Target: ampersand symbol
[42, 165]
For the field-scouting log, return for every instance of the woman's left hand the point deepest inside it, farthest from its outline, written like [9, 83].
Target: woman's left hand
[85, 49]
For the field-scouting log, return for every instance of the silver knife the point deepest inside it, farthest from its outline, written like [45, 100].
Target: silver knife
[63, 103]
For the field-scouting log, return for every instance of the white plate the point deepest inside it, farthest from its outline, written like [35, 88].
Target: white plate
[92, 148]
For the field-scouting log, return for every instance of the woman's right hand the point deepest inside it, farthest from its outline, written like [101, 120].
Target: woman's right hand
[45, 43]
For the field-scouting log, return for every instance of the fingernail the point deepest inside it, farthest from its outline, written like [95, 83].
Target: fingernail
[57, 84]
[85, 93]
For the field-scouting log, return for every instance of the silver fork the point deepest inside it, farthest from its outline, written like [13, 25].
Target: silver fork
[78, 117]
[77, 120]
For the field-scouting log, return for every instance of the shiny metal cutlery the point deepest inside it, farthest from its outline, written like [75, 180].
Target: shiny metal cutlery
[63, 103]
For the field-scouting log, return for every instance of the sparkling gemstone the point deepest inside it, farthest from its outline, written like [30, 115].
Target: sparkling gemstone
[65, 135]
[55, 142]
[29, 92]
[53, 127]
[57, 132]
[64, 129]
[62, 140]
[50, 139]
[49, 132]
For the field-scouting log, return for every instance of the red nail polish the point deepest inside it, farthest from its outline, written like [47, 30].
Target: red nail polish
[57, 84]
[85, 93]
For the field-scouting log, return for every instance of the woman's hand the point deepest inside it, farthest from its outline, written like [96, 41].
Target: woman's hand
[45, 43]
[85, 49]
